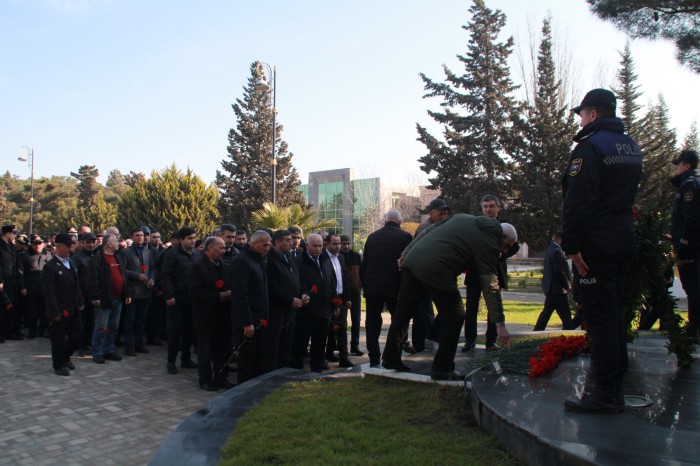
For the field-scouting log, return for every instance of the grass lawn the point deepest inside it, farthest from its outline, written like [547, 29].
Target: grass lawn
[360, 421]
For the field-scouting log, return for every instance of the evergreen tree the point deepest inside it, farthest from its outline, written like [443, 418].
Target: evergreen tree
[675, 20]
[653, 135]
[115, 185]
[543, 155]
[168, 201]
[658, 143]
[5, 206]
[54, 205]
[627, 93]
[477, 117]
[692, 141]
[133, 178]
[245, 180]
[88, 187]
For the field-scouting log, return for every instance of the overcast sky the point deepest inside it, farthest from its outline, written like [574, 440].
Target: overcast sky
[137, 85]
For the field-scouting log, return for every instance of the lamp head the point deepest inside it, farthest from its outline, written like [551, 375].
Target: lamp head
[22, 158]
[262, 85]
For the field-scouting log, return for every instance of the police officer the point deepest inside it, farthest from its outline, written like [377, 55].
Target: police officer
[685, 233]
[600, 186]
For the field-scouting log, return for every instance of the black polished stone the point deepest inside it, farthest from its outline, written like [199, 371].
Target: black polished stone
[527, 415]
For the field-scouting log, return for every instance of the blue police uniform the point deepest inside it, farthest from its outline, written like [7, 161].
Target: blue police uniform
[600, 186]
[685, 234]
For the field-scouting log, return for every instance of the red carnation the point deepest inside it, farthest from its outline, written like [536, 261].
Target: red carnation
[66, 313]
[219, 284]
[337, 301]
[144, 267]
[263, 323]
[314, 289]
[104, 330]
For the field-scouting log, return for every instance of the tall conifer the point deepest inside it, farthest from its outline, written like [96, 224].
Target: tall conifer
[542, 157]
[245, 179]
[477, 118]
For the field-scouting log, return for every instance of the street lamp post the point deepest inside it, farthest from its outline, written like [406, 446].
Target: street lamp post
[262, 84]
[30, 159]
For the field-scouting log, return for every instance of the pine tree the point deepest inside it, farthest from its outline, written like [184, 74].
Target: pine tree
[658, 143]
[168, 201]
[692, 141]
[675, 20]
[477, 117]
[245, 180]
[115, 185]
[627, 93]
[542, 157]
[653, 135]
[88, 187]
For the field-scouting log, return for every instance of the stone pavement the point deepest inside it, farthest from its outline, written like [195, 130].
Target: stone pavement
[112, 414]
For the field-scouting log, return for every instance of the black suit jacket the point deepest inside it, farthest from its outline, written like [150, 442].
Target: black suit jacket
[556, 271]
[61, 288]
[283, 281]
[319, 284]
[210, 314]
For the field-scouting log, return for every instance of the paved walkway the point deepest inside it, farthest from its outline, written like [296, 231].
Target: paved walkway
[112, 414]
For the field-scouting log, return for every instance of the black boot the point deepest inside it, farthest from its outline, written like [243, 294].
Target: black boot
[601, 399]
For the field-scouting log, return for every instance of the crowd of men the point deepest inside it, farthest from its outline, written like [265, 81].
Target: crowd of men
[257, 301]
[272, 300]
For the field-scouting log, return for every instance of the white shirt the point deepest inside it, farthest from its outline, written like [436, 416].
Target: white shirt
[338, 272]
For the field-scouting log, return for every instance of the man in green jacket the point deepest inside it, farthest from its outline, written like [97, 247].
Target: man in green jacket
[430, 265]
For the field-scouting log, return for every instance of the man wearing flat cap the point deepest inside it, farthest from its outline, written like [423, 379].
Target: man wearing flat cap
[59, 282]
[32, 262]
[600, 185]
[685, 233]
[8, 282]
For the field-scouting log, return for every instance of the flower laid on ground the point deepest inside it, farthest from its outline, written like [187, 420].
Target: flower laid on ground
[550, 354]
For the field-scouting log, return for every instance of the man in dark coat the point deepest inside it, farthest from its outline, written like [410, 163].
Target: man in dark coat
[141, 273]
[556, 285]
[353, 261]
[32, 263]
[250, 303]
[87, 248]
[600, 186]
[210, 291]
[319, 283]
[8, 284]
[381, 277]
[284, 289]
[175, 280]
[685, 233]
[64, 301]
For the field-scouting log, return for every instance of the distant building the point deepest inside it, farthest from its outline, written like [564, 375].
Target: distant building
[358, 205]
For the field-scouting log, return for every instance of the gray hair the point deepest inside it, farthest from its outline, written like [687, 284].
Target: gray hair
[393, 216]
[314, 236]
[509, 232]
[258, 235]
[107, 237]
[211, 240]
